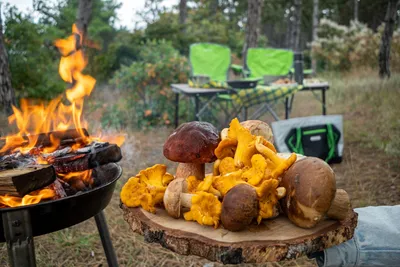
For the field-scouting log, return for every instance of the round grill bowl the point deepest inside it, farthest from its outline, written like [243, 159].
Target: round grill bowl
[50, 216]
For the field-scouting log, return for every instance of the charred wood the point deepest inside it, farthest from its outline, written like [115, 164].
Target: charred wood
[21, 181]
[82, 162]
[58, 189]
[67, 137]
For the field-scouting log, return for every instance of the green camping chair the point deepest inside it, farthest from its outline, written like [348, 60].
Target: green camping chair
[268, 61]
[211, 60]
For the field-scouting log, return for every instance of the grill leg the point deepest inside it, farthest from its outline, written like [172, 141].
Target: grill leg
[105, 239]
[18, 234]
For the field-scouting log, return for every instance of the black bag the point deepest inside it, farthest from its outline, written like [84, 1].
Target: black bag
[319, 141]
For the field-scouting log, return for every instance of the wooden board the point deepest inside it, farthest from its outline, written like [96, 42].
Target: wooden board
[273, 240]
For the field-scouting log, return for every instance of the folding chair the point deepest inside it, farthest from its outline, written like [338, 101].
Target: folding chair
[214, 61]
[209, 59]
[262, 62]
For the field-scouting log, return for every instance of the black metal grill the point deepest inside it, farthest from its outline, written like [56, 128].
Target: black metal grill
[22, 224]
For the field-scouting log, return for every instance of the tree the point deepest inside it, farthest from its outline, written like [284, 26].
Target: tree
[384, 51]
[182, 13]
[296, 30]
[83, 16]
[7, 95]
[356, 10]
[253, 24]
[314, 32]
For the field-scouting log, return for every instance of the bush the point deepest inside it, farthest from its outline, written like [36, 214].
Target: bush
[341, 47]
[148, 81]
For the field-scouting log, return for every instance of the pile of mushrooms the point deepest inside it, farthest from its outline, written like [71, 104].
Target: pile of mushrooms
[249, 182]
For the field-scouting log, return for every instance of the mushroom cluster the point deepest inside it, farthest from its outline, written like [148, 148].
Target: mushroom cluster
[244, 185]
[249, 182]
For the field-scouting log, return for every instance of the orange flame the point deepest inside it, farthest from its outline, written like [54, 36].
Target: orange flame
[85, 176]
[33, 198]
[34, 119]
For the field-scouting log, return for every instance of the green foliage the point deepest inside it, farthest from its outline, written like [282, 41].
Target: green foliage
[342, 47]
[147, 81]
[33, 60]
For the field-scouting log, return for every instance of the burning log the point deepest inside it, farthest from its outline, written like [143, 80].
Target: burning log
[58, 189]
[21, 181]
[67, 137]
[81, 162]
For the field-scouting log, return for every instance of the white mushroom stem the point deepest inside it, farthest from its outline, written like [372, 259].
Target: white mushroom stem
[184, 170]
[340, 206]
[186, 200]
[175, 198]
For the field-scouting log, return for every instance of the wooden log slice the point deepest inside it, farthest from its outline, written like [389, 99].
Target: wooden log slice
[273, 240]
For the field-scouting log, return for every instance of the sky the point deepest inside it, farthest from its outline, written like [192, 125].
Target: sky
[126, 14]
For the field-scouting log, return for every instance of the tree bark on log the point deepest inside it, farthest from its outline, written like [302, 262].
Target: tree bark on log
[314, 32]
[21, 181]
[271, 241]
[384, 51]
[296, 30]
[83, 16]
[182, 14]
[253, 25]
[7, 95]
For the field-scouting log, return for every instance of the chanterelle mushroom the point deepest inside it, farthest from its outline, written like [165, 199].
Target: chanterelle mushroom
[147, 188]
[192, 144]
[205, 209]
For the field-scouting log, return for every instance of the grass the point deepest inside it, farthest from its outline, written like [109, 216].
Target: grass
[370, 172]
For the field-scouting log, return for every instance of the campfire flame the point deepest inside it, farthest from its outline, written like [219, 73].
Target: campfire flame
[85, 176]
[33, 198]
[33, 118]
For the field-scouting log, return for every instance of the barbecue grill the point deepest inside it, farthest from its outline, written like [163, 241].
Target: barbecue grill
[21, 224]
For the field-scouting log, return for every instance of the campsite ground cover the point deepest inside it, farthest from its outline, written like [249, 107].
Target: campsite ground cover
[370, 172]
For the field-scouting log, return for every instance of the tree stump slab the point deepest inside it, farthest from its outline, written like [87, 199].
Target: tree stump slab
[273, 240]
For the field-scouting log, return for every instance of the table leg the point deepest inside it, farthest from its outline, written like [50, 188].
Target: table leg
[196, 107]
[323, 102]
[286, 108]
[176, 110]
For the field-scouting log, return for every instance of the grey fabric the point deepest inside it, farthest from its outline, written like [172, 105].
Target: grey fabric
[281, 129]
[376, 241]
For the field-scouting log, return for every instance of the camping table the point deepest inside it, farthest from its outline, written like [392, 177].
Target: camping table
[323, 87]
[184, 89]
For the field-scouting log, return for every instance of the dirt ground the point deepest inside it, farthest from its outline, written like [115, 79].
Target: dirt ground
[368, 172]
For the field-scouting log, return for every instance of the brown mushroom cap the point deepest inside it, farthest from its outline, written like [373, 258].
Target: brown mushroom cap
[192, 142]
[310, 189]
[239, 207]
[259, 128]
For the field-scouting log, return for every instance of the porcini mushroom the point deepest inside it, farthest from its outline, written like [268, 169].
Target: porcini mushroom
[205, 208]
[259, 128]
[239, 207]
[192, 144]
[311, 187]
[175, 197]
[256, 127]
